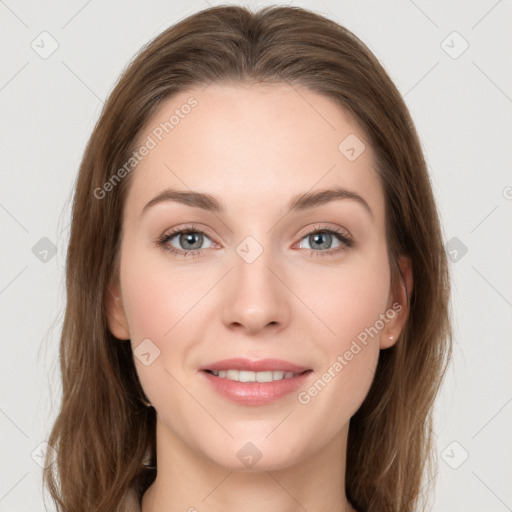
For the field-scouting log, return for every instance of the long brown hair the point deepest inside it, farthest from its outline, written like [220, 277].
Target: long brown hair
[103, 432]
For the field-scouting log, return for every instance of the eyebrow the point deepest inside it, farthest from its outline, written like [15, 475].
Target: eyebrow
[299, 202]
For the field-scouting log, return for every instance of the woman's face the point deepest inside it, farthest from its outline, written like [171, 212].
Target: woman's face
[271, 268]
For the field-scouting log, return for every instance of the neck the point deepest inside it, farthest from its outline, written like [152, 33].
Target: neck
[188, 481]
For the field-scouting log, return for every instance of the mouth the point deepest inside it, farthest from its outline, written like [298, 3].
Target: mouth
[251, 382]
[250, 376]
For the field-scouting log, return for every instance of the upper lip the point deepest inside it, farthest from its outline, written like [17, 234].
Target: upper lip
[259, 365]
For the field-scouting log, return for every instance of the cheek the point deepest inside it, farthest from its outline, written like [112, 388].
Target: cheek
[159, 304]
[158, 298]
[163, 302]
[347, 300]
[351, 306]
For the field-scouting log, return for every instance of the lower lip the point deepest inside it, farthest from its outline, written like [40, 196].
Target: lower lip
[256, 393]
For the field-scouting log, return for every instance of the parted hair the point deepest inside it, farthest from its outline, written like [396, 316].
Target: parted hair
[103, 434]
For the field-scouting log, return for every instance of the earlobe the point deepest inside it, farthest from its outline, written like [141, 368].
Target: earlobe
[399, 304]
[387, 341]
[116, 318]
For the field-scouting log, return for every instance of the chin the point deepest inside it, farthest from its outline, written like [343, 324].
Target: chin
[257, 454]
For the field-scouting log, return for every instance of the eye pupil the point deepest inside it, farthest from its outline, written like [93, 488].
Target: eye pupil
[191, 242]
[317, 238]
[187, 238]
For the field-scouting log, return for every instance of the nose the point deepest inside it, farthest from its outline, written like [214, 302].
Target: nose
[256, 297]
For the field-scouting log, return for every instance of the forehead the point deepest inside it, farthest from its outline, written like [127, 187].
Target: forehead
[254, 145]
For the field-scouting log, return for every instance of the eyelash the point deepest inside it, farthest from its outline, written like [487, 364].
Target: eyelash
[162, 241]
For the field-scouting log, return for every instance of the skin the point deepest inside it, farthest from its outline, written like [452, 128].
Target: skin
[254, 147]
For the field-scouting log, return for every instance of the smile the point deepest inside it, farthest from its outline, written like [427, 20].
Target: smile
[249, 376]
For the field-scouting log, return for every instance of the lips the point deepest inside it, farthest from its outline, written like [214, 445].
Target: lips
[261, 365]
[255, 382]
[249, 376]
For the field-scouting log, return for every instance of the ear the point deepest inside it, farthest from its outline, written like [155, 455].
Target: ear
[399, 303]
[116, 317]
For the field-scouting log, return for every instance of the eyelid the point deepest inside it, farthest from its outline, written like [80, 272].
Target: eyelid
[194, 228]
[162, 241]
[319, 227]
[342, 234]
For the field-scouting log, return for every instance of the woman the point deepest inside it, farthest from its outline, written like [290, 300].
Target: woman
[288, 359]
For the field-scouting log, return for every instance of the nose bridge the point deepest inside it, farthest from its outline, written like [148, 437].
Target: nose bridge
[257, 298]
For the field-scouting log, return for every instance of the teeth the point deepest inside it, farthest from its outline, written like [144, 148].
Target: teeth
[248, 376]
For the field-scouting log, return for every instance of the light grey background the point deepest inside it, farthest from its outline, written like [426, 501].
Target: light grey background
[462, 107]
